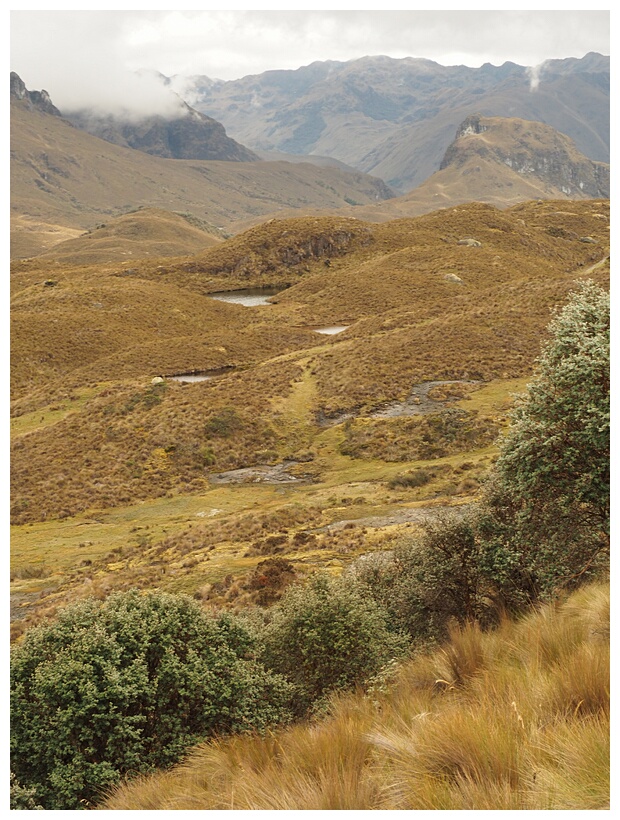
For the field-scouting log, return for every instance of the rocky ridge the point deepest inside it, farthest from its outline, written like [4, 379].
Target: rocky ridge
[33, 99]
[531, 150]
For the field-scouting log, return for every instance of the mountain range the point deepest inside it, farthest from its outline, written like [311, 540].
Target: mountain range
[67, 180]
[396, 118]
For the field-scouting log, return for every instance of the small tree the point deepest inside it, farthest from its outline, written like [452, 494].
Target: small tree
[126, 686]
[430, 581]
[547, 510]
[328, 635]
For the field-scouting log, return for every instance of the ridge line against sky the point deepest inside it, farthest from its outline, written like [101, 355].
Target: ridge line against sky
[85, 56]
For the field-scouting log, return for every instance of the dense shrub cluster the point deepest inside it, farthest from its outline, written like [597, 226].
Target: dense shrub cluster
[545, 521]
[427, 583]
[328, 635]
[127, 686]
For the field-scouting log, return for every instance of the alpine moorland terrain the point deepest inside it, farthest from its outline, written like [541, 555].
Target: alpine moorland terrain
[274, 438]
[439, 321]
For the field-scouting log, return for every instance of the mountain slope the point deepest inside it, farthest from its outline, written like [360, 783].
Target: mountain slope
[62, 177]
[502, 161]
[395, 118]
[194, 136]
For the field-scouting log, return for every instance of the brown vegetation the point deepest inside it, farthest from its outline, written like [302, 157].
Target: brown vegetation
[91, 432]
[513, 719]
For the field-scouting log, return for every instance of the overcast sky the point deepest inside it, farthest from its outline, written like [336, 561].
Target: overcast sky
[80, 56]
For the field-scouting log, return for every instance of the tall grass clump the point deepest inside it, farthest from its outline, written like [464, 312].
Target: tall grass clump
[505, 736]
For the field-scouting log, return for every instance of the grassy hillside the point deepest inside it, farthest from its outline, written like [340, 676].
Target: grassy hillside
[112, 474]
[136, 235]
[514, 719]
[62, 178]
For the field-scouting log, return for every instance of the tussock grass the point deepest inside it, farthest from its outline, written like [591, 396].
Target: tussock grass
[102, 323]
[487, 722]
[91, 434]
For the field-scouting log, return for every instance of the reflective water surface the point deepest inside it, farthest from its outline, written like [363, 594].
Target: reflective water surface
[331, 330]
[249, 297]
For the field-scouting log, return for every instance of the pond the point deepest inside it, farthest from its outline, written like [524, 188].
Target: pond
[199, 375]
[249, 297]
[330, 330]
[187, 378]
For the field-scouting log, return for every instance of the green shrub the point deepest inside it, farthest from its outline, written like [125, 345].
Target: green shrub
[547, 504]
[328, 635]
[429, 582]
[127, 686]
[22, 798]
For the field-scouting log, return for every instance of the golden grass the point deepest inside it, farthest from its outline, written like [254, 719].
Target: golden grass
[139, 234]
[92, 435]
[502, 733]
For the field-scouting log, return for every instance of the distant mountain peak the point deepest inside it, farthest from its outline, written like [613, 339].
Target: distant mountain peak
[191, 135]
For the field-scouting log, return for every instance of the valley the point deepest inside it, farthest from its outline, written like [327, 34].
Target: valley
[308, 447]
[309, 428]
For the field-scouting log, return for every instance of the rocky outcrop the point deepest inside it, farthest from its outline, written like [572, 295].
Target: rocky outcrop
[530, 149]
[39, 100]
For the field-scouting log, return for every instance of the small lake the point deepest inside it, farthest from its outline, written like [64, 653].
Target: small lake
[249, 297]
[199, 376]
[188, 378]
[330, 330]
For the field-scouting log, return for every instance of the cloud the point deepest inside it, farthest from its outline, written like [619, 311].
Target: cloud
[89, 68]
[534, 73]
[90, 57]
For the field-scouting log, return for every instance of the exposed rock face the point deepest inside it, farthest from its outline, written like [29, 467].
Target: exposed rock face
[193, 136]
[34, 99]
[471, 125]
[531, 149]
